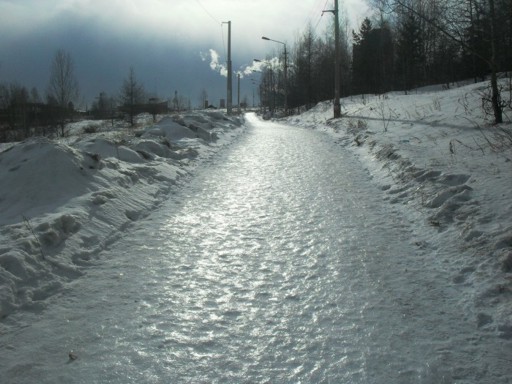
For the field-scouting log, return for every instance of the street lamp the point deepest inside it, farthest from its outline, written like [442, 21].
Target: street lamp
[285, 73]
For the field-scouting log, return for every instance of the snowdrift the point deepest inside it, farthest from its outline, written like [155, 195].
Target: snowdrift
[438, 157]
[63, 201]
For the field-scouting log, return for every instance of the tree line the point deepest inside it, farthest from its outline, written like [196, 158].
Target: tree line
[25, 113]
[406, 44]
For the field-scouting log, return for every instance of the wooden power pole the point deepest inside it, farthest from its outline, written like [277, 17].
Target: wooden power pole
[337, 60]
[230, 73]
[337, 69]
[229, 101]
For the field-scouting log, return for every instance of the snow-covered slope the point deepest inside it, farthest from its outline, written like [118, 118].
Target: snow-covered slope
[63, 201]
[438, 157]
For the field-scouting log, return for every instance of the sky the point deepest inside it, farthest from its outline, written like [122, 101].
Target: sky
[172, 45]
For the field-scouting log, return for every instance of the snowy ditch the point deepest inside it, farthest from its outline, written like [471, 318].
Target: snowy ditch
[62, 202]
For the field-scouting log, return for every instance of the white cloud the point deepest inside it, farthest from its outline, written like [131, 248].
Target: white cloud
[258, 66]
[244, 70]
[215, 65]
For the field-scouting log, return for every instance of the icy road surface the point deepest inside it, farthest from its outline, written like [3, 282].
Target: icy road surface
[279, 262]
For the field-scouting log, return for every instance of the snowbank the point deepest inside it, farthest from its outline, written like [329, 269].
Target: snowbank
[437, 156]
[63, 201]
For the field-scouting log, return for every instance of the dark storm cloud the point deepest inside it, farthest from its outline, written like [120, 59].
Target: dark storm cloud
[102, 60]
[165, 41]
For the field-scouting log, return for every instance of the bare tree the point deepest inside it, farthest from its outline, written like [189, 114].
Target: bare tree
[63, 86]
[495, 92]
[132, 94]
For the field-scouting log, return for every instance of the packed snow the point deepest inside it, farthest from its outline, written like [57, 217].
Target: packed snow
[64, 201]
[434, 152]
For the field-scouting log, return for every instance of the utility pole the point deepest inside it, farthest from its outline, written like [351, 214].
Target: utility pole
[285, 73]
[229, 100]
[285, 81]
[337, 63]
[238, 94]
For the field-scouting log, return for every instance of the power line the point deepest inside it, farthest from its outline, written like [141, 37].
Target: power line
[316, 14]
[318, 22]
[321, 15]
[312, 14]
[218, 22]
[207, 12]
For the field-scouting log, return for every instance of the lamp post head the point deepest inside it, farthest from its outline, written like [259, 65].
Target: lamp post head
[275, 41]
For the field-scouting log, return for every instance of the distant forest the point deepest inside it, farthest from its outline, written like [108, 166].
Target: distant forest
[406, 45]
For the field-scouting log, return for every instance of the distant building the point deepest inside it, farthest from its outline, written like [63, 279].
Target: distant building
[222, 103]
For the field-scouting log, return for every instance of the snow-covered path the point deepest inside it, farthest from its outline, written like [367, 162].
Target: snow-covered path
[280, 261]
